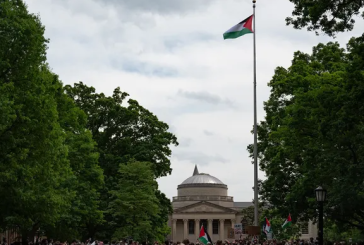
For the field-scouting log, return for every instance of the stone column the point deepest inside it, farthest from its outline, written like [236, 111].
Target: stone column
[209, 227]
[232, 223]
[185, 228]
[174, 230]
[222, 230]
[197, 228]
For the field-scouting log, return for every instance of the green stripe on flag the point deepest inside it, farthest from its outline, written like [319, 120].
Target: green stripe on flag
[203, 240]
[235, 34]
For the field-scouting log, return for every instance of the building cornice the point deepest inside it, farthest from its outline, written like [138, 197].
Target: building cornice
[223, 209]
[199, 185]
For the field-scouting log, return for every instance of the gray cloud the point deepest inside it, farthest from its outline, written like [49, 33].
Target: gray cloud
[208, 133]
[160, 6]
[148, 69]
[199, 158]
[206, 97]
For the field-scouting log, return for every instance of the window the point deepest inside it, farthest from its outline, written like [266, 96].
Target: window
[244, 224]
[215, 226]
[304, 228]
[191, 227]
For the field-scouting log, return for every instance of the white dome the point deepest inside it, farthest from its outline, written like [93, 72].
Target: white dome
[202, 179]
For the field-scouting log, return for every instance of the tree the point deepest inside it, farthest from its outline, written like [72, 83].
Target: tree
[160, 222]
[334, 233]
[87, 178]
[328, 16]
[248, 215]
[33, 157]
[313, 135]
[134, 203]
[124, 133]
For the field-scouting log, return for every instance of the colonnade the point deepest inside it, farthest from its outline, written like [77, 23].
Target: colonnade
[221, 228]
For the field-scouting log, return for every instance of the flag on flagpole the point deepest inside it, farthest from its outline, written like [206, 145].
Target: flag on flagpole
[204, 236]
[240, 29]
[288, 222]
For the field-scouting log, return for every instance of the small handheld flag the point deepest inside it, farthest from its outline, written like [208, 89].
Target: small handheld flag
[204, 236]
[267, 226]
[288, 222]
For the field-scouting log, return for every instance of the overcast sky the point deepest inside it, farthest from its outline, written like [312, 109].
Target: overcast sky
[170, 56]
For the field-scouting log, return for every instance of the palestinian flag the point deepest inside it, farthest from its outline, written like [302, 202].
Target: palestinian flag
[266, 226]
[204, 236]
[288, 222]
[244, 27]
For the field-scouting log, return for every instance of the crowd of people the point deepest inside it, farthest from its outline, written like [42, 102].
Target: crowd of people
[257, 241]
[246, 241]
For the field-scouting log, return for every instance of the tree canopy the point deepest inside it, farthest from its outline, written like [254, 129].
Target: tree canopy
[313, 134]
[124, 132]
[33, 157]
[330, 16]
[66, 152]
[134, 204]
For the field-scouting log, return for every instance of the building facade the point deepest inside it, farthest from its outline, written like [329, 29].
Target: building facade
[203, 200]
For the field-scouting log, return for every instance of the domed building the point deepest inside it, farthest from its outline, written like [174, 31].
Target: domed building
[203, 200]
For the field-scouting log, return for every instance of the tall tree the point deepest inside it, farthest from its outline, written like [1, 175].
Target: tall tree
[328, 16]
[134, 204]
[87, 178]
[124, 132]
[313, 134]
[33, 156]
[160, 222]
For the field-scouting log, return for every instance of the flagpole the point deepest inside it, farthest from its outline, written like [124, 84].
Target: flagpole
[256, 219]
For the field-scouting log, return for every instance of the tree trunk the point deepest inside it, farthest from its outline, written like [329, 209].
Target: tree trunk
[31, 234]
[24, 238]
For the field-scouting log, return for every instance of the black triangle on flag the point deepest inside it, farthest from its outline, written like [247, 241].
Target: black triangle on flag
[207, 234]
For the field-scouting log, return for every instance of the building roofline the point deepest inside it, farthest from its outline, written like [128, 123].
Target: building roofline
[202, 185]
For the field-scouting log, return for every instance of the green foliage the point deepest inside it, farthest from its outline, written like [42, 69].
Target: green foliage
[88, 176]
[335, 233]
[313, 134]
[328, 16]
[248, 215]
[33, 155]
[160, 222]
[134, 203]
[49, 166]
[124, 133]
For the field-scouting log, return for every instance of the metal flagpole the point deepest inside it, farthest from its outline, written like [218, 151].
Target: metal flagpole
[256, 219]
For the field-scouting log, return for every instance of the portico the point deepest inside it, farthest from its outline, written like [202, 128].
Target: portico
[202, 200]
[217, 228]
[186, 221]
